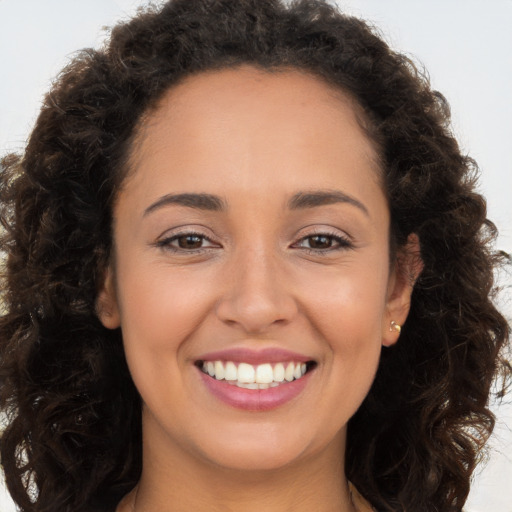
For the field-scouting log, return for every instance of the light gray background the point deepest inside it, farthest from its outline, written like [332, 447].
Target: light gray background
[465, 44]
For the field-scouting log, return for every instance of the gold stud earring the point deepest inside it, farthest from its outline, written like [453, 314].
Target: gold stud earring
[395, 327]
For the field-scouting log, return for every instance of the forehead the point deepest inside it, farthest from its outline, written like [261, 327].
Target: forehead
[259, 129]
[285, 95]
[222, 87]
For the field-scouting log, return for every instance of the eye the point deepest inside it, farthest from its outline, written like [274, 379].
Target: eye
[319, 242]
[186, 242]
[323, 242]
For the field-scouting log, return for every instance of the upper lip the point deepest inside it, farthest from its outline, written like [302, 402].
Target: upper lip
[255, 357]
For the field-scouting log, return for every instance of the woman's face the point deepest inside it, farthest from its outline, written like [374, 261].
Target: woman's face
[252, 241]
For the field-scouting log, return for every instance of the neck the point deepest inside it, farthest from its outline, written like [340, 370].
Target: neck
[174, 480]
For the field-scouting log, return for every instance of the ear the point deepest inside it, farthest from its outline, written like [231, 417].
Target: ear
[106, 301]
[407, 268]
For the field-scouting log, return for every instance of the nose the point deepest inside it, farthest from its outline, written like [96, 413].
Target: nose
[257, 295]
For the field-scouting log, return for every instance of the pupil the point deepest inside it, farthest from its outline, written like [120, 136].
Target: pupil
[320, 242]
[190, 242]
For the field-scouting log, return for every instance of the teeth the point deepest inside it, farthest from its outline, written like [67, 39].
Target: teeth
[264, 374]
[288, 373]
[245, 373]
[231, 371]
[248, 376]
[279, 372]
[219, 370]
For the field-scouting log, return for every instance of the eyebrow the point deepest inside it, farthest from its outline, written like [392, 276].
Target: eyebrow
[299, 201]
[316, 198]
[207, 202]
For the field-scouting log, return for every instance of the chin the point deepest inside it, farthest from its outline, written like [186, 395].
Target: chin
[254, 460]
[262, 451]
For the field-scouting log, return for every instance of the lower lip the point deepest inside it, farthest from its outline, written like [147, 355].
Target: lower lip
[254, 399]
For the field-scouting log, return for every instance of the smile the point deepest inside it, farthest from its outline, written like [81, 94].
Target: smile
[255, 381]
[261, 376]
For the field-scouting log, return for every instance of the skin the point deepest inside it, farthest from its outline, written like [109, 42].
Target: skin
[256, 279]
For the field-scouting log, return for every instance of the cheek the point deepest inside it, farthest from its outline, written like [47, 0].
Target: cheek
[347, 305]
[160, 311]
[347, 314]
[160, 308]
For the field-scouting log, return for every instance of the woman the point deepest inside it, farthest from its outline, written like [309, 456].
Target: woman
[246, 269]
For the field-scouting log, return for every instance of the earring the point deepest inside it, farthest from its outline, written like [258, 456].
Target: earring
[395, 327]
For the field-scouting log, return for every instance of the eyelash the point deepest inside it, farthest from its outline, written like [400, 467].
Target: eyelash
[165, 243]
[343, 243]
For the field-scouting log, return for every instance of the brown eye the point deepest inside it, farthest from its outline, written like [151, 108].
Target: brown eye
[189, 241]
[320, 242]
[186, 243]
[323, 243]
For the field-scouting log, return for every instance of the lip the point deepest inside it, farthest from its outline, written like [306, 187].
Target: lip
[255, 357]
[254, 399]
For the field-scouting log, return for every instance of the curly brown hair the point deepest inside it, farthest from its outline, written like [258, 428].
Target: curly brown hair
[73, 436]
